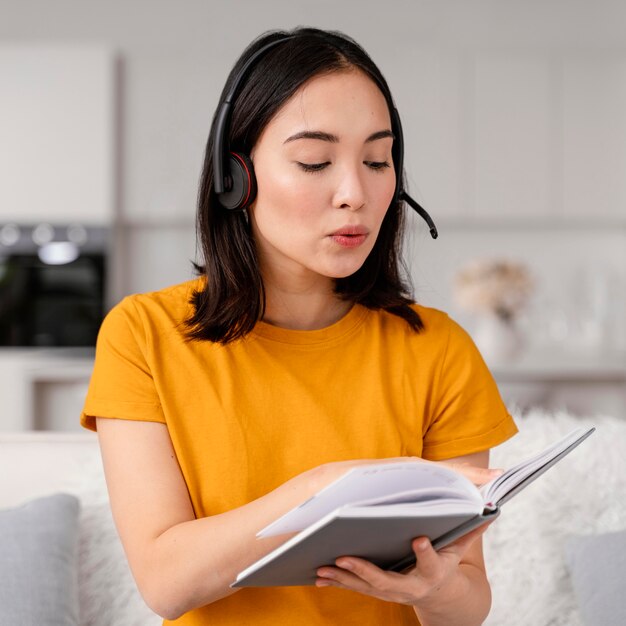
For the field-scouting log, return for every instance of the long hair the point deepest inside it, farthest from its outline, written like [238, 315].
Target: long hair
[232, 298]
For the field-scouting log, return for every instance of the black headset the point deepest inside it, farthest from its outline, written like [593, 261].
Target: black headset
[233, 173]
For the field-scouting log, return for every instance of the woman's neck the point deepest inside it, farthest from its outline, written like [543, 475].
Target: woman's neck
[303, 307]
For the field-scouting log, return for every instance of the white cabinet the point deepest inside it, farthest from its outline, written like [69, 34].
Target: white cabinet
[57, 133]
[58, 403]
[43, 389]
[14, 392]
[594, 133]
[512, 136]
[582, 383]
[515, 135]
[430, 100]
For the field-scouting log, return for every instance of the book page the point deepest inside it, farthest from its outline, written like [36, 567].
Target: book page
[501, 488]
[416, 497]
[369, 482]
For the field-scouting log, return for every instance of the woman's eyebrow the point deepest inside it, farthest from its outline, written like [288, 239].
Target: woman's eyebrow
[322, 136]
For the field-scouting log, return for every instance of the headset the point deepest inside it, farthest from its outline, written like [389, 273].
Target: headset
[234, 180]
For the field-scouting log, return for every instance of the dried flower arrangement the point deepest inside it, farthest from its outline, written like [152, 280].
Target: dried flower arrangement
[493, 286]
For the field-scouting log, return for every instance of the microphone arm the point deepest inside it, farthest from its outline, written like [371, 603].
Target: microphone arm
[422, 212]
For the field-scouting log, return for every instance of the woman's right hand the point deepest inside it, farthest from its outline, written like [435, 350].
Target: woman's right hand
[323, 475]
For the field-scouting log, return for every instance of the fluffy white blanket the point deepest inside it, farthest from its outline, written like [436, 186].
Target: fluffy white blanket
[583, 494]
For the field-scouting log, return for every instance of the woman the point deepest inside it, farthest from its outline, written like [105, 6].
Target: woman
[223, 402]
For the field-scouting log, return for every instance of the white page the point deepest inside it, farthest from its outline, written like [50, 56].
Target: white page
[418, 496]
[494, 490]
[424, 509]
[367, 482]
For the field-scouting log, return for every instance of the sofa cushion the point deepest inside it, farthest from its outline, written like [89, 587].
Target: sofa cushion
[597, 564]
[38, 562]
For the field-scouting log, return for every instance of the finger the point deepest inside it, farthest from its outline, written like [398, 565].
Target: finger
[427, 561]
[365, 577]
[365, 571]
[356, 574]
[336, 578]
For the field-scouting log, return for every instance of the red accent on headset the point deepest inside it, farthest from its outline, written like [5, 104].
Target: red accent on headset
[247, 172]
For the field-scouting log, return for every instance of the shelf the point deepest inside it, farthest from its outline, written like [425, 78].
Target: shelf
[39, 365]
[564, 367]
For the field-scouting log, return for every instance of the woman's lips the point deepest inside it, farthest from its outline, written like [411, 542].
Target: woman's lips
[350, 236]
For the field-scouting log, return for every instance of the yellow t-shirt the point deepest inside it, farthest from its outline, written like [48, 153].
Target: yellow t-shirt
[246, 417]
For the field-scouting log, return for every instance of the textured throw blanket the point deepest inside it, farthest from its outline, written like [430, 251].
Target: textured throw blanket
[583, 494]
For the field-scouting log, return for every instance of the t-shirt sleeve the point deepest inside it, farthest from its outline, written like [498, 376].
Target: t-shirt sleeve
[121, 384]
[467, 412]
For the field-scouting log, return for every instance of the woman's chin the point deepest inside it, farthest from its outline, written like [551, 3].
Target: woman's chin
[342, 266]
[343, 272]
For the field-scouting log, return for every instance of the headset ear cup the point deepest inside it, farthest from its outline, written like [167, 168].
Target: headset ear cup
[243, 188]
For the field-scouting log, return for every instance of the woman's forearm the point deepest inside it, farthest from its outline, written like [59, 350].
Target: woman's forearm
[193, 563]
[466, 601]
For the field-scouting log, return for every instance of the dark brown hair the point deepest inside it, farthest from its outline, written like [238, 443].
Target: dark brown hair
[232, 298]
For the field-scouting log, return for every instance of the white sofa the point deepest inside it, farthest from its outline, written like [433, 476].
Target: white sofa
[36, 464]
[585, 494]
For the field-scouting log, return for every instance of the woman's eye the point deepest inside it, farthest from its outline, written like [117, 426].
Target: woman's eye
[318, 167]
[378, 165]
[313, 167]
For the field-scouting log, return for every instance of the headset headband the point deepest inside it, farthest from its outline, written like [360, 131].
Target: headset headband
[224, 180]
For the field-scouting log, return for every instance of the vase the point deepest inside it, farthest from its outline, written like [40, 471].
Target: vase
[498, 339]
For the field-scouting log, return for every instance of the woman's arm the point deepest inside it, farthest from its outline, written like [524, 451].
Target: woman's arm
[446, 588]
[179, 562]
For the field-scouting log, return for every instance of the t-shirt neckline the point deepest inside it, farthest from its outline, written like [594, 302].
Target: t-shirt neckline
[349, 322]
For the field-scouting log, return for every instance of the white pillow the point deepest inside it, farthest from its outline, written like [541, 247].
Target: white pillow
[38, 562]
[597, 564]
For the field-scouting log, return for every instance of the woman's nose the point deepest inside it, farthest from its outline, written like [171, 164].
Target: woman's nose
[350, 193]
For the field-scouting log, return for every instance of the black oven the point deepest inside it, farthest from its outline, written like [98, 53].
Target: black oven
[52, 284]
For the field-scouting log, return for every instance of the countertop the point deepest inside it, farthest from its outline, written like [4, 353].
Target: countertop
[552, 365]
[533, 366]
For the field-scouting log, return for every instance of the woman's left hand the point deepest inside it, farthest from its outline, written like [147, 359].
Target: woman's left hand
[432, 573]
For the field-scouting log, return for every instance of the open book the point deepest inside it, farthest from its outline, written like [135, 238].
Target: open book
[374, 512]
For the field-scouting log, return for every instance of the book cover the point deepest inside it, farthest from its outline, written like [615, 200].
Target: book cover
[375, 511]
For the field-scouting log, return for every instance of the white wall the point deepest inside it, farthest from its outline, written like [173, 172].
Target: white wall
[174, 57]
[453, 67]
[57, 130]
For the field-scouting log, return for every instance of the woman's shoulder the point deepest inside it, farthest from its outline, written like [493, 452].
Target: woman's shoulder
[433, 319]
[432, 337]
[171, 303]
[439, 330]
[444, 335]
[436, 324]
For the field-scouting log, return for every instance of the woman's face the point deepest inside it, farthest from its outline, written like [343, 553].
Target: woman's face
[325, 178]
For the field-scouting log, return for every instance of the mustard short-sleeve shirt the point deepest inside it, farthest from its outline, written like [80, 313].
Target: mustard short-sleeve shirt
[246, 417]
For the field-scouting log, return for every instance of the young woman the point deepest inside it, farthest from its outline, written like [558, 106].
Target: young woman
[225, 401]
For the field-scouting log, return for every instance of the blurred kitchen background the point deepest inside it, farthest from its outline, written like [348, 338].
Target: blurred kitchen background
[514, 116]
